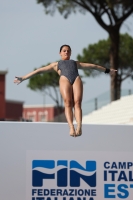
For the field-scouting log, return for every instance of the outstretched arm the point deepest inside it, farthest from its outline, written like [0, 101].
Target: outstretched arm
[96, 67]
[35, 72]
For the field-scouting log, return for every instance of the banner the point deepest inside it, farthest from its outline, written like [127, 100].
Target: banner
[79, 175]
[40, 161]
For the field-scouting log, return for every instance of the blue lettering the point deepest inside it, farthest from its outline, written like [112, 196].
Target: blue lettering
[93, 192]
[75, 177]
[121, 188]
[37, 176]
[113, 175]
[87, 193]
[122, 176]
[131, 186]
[40, 192]
[114, 165]
[119, 165]
[34, 191]
[52, 192]
[80, 192]
[59, 192]
[46, 192]
[71, 198]
[65, 193]
[105, 175]
[62, 173]
[107, 189]
[130, 176]
[48, 198]
[105, 165]
[129, 164]
[71, 191]
[122, 165]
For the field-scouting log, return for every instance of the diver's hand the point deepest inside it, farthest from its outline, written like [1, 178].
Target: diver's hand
[18, 80]
[112, 71]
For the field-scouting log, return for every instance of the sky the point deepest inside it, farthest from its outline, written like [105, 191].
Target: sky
[29, 39]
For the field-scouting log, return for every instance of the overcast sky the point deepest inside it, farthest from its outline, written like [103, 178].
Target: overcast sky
[30, 39]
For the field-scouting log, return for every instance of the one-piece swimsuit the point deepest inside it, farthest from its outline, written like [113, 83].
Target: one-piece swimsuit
[68, 69]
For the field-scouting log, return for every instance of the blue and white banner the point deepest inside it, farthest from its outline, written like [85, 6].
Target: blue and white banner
[79, 175]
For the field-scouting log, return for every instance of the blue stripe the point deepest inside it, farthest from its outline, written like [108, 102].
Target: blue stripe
[50, 164]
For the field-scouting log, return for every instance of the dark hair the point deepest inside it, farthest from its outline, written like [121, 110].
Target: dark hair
[65, 45]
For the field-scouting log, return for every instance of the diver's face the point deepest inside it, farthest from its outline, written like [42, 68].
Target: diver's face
[65, 53]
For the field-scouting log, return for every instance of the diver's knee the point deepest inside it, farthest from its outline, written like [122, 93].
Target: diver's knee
[77, 104]
[68, 103]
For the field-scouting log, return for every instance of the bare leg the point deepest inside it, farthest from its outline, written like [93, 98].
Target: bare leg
[66, 92]
[78, 93]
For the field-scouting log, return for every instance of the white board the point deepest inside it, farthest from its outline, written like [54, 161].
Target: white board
[107, 147]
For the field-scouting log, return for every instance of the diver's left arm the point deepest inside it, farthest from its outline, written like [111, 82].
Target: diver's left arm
[96, 67]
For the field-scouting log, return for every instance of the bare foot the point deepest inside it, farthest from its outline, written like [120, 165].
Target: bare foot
[72, 131]
[79, 129]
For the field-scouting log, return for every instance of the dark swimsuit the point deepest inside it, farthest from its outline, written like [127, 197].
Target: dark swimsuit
[68, 69]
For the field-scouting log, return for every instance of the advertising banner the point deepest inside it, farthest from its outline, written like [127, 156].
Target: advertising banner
[79, 175]
[40, 161]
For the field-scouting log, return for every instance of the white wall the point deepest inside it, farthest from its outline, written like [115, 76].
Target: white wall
[18, 139]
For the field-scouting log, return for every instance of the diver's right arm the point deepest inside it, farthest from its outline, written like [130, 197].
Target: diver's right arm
[50, 67]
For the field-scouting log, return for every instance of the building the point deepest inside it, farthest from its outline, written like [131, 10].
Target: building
[41, 113]
[10, 110]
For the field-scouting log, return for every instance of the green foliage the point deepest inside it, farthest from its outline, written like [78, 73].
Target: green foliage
[42, 81]
[99, 54]
[65, 7]
[109, 14]
[116, 8]
[126, 52]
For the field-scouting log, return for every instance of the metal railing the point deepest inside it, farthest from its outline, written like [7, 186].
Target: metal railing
[101, 100]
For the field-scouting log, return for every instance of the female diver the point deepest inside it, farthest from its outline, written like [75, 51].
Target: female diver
[70, 84]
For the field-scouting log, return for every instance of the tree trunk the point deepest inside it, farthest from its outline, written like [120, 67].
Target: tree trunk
[114, 63]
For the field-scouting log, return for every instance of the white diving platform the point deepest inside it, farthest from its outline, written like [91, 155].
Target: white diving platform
[101, 160]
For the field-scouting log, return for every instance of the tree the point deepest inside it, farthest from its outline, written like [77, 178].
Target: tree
[116, 11]
[99, 53]
[44, 83]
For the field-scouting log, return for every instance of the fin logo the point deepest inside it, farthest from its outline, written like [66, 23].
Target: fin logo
[59, 170]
